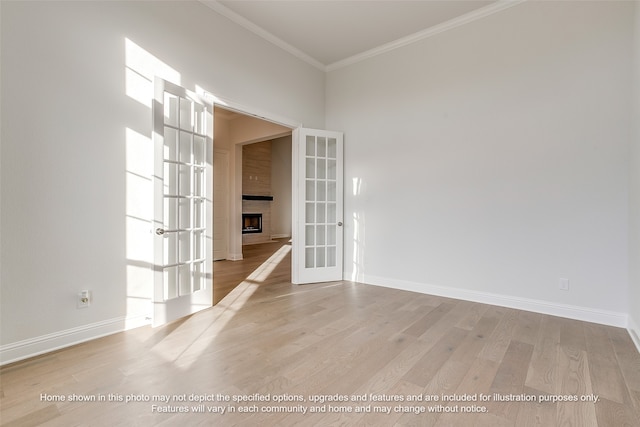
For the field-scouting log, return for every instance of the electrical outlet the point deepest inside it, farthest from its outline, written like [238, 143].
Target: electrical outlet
[563, 284]
[84, 299]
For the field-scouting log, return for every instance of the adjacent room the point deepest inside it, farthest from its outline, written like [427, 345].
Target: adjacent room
[261, 152]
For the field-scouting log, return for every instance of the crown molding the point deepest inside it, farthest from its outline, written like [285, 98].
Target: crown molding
[261, 32]
[387, 47]
[421, 35]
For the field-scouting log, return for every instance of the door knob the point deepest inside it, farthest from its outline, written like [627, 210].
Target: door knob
[159, 231]
[339, 223]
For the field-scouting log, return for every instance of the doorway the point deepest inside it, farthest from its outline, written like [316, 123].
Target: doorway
[237, 256]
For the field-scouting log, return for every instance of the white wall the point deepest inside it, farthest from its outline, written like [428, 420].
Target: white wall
[281, 187]
[489, 161]
[634, 211]
[75, 149]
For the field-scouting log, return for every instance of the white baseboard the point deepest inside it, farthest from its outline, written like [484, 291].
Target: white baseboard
[603, 317]
[43, 344]
[280, 236]
[634, 331]
[235, 257]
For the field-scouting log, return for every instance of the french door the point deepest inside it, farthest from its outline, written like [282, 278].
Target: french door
[183, 219]
[317, 206]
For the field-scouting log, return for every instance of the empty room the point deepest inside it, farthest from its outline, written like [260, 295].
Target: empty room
[389, 213]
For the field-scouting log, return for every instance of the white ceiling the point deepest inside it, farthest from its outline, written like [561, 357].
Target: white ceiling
[331, 33]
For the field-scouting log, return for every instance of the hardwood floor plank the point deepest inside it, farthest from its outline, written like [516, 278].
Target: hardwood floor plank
[32, 418]
[391, 375]
[501, 337]
[610, 413]
[510, 379]
[474, 314]
[451, 317]
[401, 388]
[572, 334]
[430, 318]
[536, 414]
[604, 370]
[526, 329]
[575, 380]
[447, 379]
[627, 358]
[477, 339]
[478, 379]
[543, 369]
[424, 370]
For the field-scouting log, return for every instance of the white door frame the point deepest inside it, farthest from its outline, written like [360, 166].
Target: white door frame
[221, 159]
[235, 164]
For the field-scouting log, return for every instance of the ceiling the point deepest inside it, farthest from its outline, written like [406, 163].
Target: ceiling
[332, 33]
[225, 114]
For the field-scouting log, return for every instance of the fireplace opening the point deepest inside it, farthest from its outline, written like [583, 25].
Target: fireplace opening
[251, 223]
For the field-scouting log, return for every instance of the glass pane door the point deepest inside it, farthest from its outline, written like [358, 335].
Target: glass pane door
[320, 202]
[319, 205]
[183, 208]
[184, 189]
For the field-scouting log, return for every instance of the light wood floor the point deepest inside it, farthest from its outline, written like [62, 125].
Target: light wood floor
[269, 338]
[228, 274]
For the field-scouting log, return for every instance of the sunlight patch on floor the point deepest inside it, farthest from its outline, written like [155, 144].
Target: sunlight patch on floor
[206, 326]
[261, 273]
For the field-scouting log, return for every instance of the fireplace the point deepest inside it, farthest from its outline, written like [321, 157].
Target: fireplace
[251, 223]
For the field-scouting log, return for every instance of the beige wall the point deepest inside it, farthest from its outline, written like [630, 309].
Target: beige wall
[222, 132]
[281, 187]
[256, 181]
[634, 211]
[236, 132]
[267, 171]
